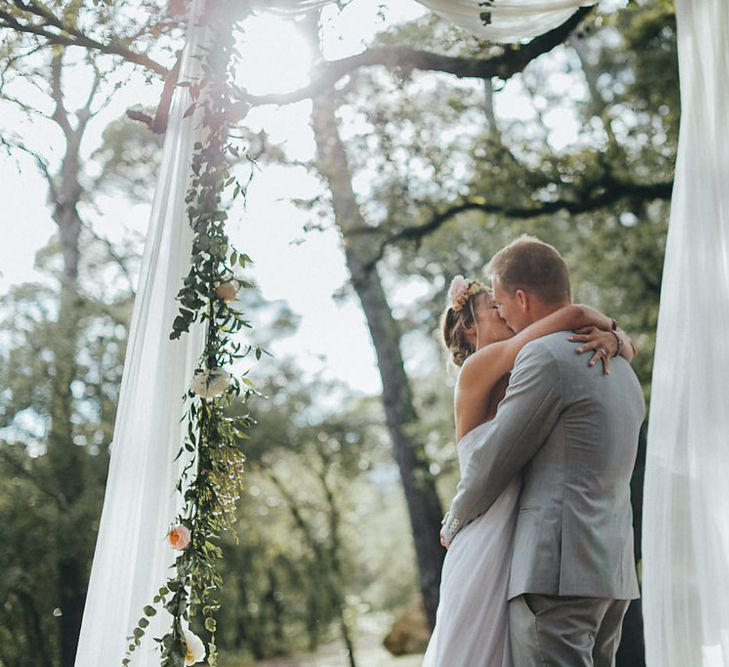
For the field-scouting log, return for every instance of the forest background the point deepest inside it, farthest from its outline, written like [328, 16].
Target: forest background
[413, 159]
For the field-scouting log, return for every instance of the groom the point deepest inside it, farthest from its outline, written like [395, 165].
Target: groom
[572, 433]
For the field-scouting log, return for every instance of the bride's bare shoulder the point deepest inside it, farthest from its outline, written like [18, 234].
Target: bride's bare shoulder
[488, 363]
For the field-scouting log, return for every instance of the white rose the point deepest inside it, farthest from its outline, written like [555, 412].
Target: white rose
[194, 648]
[209, 384]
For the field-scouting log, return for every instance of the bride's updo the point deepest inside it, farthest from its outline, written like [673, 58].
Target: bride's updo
[463, 297]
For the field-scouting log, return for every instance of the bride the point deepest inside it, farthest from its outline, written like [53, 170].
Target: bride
[471, 627]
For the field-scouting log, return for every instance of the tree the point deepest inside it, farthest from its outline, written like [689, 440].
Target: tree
[449, 181]
[70, 358]
[499, 180]
[51, 497]
[309, 553]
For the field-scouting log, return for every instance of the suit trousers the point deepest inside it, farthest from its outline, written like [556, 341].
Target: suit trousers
[556, 631]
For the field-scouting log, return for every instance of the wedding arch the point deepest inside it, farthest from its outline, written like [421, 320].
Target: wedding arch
[132, 597]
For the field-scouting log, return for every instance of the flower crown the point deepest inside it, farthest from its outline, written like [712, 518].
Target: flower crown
[461, 290]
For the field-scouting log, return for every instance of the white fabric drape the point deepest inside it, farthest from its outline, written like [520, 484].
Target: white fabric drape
[132, 558]
[511, 20]
[686, 501]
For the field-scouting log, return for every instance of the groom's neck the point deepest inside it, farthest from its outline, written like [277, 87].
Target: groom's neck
[539, 310]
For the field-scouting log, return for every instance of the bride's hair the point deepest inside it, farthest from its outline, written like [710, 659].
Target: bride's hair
[456, 320]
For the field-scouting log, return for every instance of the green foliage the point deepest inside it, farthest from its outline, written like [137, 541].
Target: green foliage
[153, 29]
[315, 538]
[128, 159]
[49, 514]
[425, 147]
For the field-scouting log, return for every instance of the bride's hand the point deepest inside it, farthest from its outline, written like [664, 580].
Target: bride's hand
[603, 345]
[442, 526]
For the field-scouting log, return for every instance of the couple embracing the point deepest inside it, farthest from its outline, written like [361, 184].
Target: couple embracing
[540, 566]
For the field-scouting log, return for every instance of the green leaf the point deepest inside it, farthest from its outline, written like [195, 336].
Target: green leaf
[210, 624]
[149, 610]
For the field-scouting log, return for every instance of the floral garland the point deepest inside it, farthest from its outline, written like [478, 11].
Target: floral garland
[211, 481]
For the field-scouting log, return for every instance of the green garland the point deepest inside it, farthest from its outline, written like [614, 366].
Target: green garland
[211, 482]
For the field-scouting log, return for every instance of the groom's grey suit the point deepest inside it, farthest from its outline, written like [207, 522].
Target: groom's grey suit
[572, 432]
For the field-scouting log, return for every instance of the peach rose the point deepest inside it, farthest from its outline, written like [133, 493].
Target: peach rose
[179, 537]
[227, 291]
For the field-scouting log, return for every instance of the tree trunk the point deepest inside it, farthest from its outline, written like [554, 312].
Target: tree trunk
[37, 654]
[67, 460]
[420, 492]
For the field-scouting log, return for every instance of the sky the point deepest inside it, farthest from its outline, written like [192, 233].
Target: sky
[303, 269]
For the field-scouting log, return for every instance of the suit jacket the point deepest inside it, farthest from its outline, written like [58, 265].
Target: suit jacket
[573, 434]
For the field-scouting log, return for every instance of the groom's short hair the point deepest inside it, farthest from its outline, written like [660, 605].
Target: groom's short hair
[533, 266]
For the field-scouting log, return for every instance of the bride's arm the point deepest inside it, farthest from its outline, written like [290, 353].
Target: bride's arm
[486, 366]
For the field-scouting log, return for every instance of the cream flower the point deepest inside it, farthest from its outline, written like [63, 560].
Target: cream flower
[227, 291]
[210, 383]
[460, 289]
[194, 648]
[179, 537]
[459, 286]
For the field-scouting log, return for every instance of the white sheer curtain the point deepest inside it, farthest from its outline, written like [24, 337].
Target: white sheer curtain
[686, 501]
[511, 20]
[132, 558]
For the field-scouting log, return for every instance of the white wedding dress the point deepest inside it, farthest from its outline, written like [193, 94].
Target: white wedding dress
[471, 628]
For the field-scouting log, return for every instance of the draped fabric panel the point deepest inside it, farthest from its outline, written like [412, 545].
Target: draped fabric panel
[686, 500]
[132, 558]
[510, 20]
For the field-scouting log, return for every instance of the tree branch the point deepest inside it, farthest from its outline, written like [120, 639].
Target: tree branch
[69, 35]
[85, 114]
[20, 469]
[119, 259]
[609, 191]
[26, 108]
[400, 58]
[39, 160]
[599, 103]
[158, 124]
[60, 115]
[10, 63]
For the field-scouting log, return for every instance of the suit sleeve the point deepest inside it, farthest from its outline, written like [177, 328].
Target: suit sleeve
[524, 419]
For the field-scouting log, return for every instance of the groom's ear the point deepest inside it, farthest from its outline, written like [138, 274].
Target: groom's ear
[522, 299]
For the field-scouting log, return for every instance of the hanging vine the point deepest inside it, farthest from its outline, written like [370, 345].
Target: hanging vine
[211, 481]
